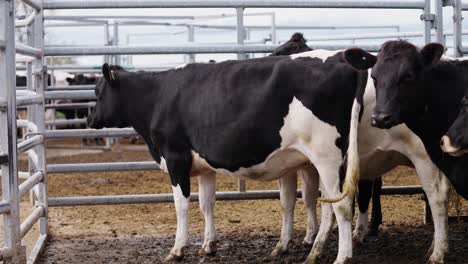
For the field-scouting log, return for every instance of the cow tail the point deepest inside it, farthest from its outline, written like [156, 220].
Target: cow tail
[352, 164]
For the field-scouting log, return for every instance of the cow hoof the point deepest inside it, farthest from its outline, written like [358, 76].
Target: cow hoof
[373, 232]
[434, 262]
[208, 249]
[308, 243]
[279, 250]
[176, 254]
[345, 261]
[311, 259]
[173, 257]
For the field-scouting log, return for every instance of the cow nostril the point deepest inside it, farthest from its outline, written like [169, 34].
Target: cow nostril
[385, 118]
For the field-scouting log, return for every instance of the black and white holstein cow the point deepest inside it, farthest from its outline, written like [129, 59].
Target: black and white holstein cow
[413, 87]
[262, 119]
[455, 141]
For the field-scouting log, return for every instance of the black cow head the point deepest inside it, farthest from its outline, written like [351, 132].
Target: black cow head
[108, 111]
[296, 44]
[397, 73]
[80, 79]
[455, 141]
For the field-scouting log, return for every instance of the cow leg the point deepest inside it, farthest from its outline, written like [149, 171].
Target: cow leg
[326, 225]
[376, 219]
[330, 187]
[288, 189]
[207, 197]
[179, 166]
[363, 198]
[310, 183]
[436, 187]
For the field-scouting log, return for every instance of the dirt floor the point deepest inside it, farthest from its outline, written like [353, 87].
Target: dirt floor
[247, 230]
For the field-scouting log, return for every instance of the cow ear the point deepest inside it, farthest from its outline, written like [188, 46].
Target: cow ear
[431, 53]
[359, 58]
[107, 73]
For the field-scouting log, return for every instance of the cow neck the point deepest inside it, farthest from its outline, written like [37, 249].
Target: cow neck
[139, 98]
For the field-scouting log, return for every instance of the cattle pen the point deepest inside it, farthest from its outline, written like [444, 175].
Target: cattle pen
[37, 94]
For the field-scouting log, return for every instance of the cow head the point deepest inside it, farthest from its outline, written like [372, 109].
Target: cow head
[108, 111]
[455, 141]
[296, 44]
[397, 73]
[80, 79]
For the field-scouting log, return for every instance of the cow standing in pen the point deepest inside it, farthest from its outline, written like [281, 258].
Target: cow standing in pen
[413, 87]
[261, 119]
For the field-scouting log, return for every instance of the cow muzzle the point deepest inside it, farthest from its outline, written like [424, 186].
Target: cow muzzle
[383, 120]
[449, 148]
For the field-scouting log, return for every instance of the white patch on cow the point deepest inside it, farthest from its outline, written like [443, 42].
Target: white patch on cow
[207, 192]
[318, 53]
[303, 136]
[163, 165]
[181, 66]
[182, 206]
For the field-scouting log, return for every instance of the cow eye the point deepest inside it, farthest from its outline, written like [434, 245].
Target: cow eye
[406, 78]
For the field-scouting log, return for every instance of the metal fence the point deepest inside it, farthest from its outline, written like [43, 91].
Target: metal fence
[36, 95]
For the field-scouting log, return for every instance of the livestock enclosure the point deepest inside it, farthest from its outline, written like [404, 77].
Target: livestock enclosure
[31, 175]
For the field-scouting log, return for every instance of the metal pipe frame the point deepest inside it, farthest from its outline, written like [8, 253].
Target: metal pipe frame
[206, 49]
[89, 133]
[34, 4]
[30, 143]
[9, 171]
[70, 105]
[4, 207]
[29, 222]
[64, 4]
[65, 122]
[29, 51]
[102, 167]
[27, 185]
[26, 21]
[71, 87]
[220, 196]
[458, 49]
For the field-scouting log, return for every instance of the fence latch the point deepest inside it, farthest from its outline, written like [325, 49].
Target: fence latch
[3, 158]
[429, 17]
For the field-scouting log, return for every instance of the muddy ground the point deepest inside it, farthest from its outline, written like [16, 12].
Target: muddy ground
[248, 230]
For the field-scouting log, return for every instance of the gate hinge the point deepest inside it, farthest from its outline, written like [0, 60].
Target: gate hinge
[3, 158]
[429, 17]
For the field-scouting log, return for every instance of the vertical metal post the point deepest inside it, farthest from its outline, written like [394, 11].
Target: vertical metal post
[190, 58]
[240, 31]
[240, 56]
[115, 42]
[273, 28]
[457, 28]
[439, 22]
[38, 117]
[8, 141]
[427, 22]
[106, 41]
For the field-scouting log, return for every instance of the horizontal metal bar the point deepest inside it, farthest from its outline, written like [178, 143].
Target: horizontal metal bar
[464, 49]
[204, 49]
[168, 197]
[30, 143]
[90, 133]
[28, 184]
[66, 4]
[77, 68]
[102, 167]
[4, 207]
[29, 51]
[80, 18]
[37, 249]
[70, 105]
[29, 100]
[64, 122]
[288, 27]
[77, 94]
[29, 222]
[34, 4]
[71, 87]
